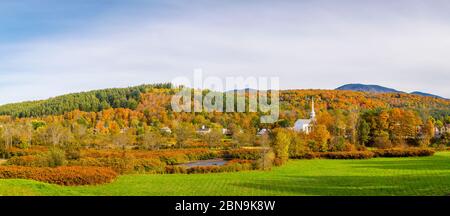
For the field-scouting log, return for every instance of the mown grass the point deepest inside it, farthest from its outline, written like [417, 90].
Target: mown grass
[379, 176]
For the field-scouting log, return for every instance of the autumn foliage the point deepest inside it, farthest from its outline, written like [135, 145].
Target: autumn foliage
[346, 155]
[399, 152]
[69, 175]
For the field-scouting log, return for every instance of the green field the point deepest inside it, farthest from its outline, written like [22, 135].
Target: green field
[379, 176]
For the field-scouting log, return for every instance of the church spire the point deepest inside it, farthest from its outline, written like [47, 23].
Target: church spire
[312, 115]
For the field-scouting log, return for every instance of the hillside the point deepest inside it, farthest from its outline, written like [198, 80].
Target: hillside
[142, 98]
[368, 88]
[92, 101]
[381, 89]
[426, 94]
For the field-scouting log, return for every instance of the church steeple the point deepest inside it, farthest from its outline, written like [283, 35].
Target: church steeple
[312, 115]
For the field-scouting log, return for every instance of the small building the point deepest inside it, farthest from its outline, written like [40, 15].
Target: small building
[305, 125]
[441, 131]
[227, 132]
[204, 130]
[262, 132]
[446, 128]
[166, 130]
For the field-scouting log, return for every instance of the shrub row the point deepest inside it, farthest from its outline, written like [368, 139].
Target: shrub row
[403, 152]
[346, 155]
[398, 152]
[14, 151]
[177, 156]
[123, 165]
[28, 160]
[169, 156]
[67, 175]
[335, 155]
[304, 155]
[120, 165]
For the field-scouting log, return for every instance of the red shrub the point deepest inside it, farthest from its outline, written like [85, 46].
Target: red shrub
[123, 165]
[61, 175]
[305, 155]
[406, 152]
[346, 155]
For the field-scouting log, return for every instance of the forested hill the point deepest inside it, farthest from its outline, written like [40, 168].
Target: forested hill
[368, 88]
[381, 89]
[143, 98]
[426, 94]
[92, 101]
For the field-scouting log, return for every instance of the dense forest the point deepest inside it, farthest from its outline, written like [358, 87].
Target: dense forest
[92, 101]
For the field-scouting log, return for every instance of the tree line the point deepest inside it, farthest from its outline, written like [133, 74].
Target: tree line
[92, 101]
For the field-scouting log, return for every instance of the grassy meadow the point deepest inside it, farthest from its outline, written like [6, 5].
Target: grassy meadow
[378, 176]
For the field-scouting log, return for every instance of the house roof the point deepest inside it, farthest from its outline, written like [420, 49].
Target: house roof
[204, 129]
[303, 121]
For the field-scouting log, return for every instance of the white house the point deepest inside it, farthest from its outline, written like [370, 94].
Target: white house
[305, 125]
[262, 132]
[226, 131]
[441, 131]
[204, 130]
[166, 130]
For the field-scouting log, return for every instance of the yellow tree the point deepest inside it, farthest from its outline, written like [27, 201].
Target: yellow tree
[281, 146]
[320, 136]
[428, 133]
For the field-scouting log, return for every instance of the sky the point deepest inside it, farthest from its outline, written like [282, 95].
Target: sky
[51, 47]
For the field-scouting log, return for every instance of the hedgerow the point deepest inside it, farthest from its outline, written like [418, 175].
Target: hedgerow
[346, 155]
[14, 151]
[403, 152]
[398, 152]
[64, 175]
[167, 156]
[124, 165]
[304, 155]
[28, 160]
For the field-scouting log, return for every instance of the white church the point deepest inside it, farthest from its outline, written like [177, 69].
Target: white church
[305, 125]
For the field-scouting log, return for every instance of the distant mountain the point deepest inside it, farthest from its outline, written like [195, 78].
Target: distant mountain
[368, 88]
[381, 89]
[426, 94]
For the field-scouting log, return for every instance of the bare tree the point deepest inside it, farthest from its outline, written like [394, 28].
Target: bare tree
[152, 140]
[183, 132]
[8, 132]
[25, 132]
[213, 138]
[265, 161]
[56, 134]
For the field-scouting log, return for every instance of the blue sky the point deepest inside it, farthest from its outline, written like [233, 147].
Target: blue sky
[51, 47]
